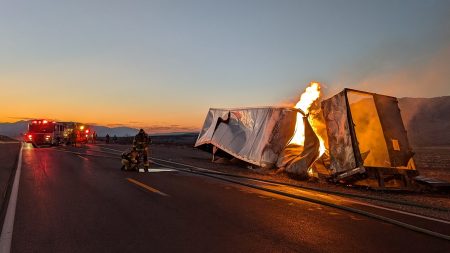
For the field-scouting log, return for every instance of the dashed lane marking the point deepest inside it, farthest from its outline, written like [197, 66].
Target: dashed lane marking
[82, 157]
[147, 187]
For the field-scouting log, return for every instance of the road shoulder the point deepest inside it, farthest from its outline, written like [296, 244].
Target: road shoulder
[8, 161]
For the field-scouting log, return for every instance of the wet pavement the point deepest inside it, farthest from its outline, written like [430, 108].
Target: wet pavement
[73, 203]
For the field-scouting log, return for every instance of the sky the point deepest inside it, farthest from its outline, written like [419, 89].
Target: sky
[163, 64]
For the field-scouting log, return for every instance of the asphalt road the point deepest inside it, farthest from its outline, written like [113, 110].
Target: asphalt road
[70, 203]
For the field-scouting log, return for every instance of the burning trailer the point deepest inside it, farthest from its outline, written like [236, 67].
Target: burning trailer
[268, 137]
[354, 137]
[367, 140]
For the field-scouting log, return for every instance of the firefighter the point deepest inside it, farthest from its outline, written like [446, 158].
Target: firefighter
[73, 138]
[141, 142]
[129, 159]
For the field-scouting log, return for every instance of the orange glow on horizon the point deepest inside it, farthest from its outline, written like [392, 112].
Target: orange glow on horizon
[61, 95]
[160, 125]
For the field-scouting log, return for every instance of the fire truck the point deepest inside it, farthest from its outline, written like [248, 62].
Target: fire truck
[77, 133]
[44, 132]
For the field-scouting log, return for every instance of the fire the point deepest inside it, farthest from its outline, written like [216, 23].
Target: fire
[311, 94]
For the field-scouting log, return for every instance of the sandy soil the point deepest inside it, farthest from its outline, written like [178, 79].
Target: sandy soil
[433, 162]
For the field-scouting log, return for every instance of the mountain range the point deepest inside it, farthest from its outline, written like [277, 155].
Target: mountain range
[427, 121]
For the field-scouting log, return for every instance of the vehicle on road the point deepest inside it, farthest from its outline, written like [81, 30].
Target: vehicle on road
[44, 132]
[75, 132]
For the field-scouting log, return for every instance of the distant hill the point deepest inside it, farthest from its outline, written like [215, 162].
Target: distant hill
[13, 130]
[427, 120]
[118, 131]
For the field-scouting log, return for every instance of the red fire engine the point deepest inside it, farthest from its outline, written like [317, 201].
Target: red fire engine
[77, 133]
[44, 132]
[47, 132]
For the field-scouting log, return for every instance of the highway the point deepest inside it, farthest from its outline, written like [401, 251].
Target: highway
[74, 203]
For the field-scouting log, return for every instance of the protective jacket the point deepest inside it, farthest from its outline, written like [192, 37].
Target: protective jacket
[141, 141]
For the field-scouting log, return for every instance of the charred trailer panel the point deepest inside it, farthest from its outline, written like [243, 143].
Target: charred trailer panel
[254, 135]
[368, 143]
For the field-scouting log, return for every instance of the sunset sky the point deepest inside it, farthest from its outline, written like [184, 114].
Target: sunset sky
[162, 63]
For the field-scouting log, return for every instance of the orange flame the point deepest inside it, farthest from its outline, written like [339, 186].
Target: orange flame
[311, 94]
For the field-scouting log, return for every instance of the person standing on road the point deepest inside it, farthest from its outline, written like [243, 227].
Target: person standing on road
[141, 142]
[73, 138]
[115, 139]
[107, 138]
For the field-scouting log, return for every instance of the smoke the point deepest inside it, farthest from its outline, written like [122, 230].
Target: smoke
[427, 77]
[409, 68]
[289, 102]
[402, 70]
[404, 66]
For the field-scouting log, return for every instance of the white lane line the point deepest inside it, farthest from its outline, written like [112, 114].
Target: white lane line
[182, 164]
[151, 170]
[398, 211]
[112, 149]
[8, 225]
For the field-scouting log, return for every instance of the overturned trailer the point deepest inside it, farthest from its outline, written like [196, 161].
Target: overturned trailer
[254, 135]
[367, 142]
[261, 136]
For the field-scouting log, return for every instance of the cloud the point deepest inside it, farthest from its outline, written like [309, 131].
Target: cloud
[116, 125]
[157, 128]
[169, 128]
[21, 118]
